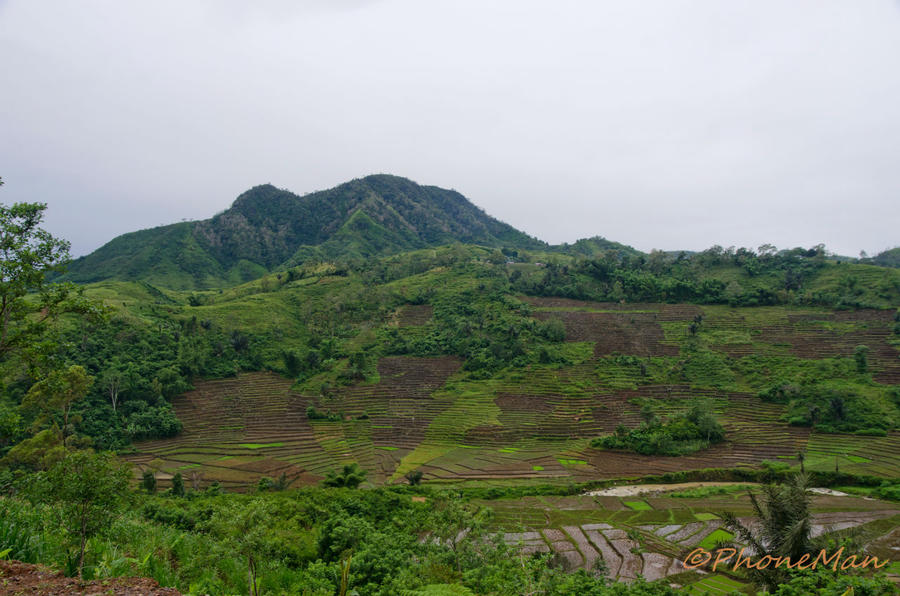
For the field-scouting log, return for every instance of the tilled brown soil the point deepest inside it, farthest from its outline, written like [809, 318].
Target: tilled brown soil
[23, 578]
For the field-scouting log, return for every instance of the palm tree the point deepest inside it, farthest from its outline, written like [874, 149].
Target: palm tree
[783, 526]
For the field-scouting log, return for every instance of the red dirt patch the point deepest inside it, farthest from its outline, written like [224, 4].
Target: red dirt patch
[23, 578]
[415, 315]
[631, 333]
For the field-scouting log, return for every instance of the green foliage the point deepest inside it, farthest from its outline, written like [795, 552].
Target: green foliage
[55, 394]
[28, 254]
[553, 330]
[177, 485]
[148, 481]
[680, 435]
[739, 277]
[90, 488]
[825, 582]
[706, 491]
[38, 452]
[21, 531]
[860, 354]
[313, 414]
[836, 407]
[140, 366]
[350, 476]
[889, 490]
[783, 526]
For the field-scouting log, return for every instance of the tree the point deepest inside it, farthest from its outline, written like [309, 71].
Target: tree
[243, 525]
[648, 414]
[414, 477]
[90, 489]
[39, 452]
[783, 526]
[27, 254]
[116, 379]
[56, 393]
[177, 485]
[351, 476]
[860, 354]
[554, 330]
[148, 481]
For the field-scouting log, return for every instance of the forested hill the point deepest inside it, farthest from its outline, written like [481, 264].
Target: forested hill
[267, 228]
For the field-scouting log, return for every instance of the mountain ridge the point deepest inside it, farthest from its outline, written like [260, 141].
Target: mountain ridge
[267, 228]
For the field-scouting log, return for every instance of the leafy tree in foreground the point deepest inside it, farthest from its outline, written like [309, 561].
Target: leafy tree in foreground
[784, 525]
[90, 488]
[27, 254]
[245, 531]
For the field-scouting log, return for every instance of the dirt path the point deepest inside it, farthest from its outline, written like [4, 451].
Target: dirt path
[23, 578]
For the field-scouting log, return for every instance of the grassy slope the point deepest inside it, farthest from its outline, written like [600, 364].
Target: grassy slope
[536, 421]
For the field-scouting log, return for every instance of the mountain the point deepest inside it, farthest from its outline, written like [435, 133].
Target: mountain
[267, 228]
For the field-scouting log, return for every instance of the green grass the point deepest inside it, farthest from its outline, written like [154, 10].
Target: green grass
[260, 445]
[715, 584]
[708, 491]
[572, 462]
[716, 537]
[706, 516]
[638, 505]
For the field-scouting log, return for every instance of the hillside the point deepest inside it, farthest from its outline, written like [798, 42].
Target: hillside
[888, 258]
[495, 380]
[468, 367]
[267, 228]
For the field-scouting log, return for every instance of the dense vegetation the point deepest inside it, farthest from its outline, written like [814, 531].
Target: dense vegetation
[741, 277]
[831, 408]
[302, 542]
[680, 435]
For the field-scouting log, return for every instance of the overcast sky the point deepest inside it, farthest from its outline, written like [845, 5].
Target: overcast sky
[661, 124]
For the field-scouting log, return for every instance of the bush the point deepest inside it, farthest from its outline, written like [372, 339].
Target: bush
[148, 481]
[686, 433]
[313, 414]
[350, 476]
[553, 330]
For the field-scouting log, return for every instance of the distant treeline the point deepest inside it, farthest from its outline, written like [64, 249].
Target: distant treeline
[757, 279]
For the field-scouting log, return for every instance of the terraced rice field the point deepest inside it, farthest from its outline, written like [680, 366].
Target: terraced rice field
[533, 423]
[653, 540]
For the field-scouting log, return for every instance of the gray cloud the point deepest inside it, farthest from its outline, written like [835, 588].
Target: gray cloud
[667, 124]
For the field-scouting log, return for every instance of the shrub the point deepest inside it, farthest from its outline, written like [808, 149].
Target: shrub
[148, 481]
[686, 433]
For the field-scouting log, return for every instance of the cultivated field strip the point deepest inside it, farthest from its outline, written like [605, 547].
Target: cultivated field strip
[536, 422]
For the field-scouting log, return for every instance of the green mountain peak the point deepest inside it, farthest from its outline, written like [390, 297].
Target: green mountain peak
[267, 228]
